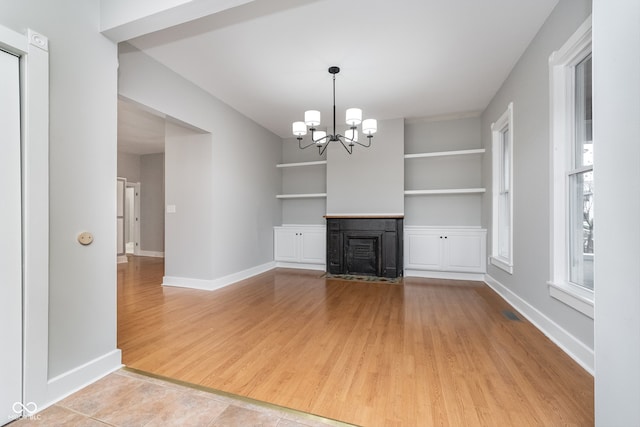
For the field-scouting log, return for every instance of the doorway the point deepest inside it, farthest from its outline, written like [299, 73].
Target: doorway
[132, 218]
[10, 241]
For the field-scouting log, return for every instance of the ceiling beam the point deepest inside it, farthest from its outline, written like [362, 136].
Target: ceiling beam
[122, 20]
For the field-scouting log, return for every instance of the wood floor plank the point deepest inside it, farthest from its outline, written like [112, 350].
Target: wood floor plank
[425, 352]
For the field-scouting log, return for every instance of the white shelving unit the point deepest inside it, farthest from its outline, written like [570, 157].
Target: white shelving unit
[301, 195]
[293, 165]
[445, 153]
[444, 191]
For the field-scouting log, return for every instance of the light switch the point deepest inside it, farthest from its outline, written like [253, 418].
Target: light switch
[171, 208]
[85, 238]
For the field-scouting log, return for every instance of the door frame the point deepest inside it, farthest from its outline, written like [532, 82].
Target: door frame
[136, 212]
[11, 307]
[33, 50]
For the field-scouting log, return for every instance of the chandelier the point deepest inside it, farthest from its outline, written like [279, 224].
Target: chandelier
[321, 139]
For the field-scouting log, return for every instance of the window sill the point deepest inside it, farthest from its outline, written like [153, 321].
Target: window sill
[501, 264]
[574, 296]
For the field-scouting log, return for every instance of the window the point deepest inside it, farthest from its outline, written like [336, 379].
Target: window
[572, 180]
[502, 149]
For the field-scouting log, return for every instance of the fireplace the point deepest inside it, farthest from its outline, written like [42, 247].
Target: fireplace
[370, 246]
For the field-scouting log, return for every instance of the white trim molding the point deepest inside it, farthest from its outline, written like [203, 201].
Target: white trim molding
[500, 171]
[575, 296]
[501, 263]
[210, 285]
[452, 275]
[562, 89]
[301, 266]
[154, 254]
[571, 345]
[69, 382]
[32, 49]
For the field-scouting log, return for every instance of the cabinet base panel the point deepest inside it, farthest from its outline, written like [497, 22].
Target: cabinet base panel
[301, 266]
[453, 275]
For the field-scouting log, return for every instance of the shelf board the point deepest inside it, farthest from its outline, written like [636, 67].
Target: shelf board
[292, 165]
[445, 153]
[445, 191]
[301, 196]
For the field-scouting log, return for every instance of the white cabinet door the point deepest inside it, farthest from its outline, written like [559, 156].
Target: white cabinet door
[303, 244]
[313, 246]
[423, 251]
[285, 244]
[464, 252]
[456, 250]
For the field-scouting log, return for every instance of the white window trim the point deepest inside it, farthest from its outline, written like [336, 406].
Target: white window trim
[504, 122]
[561, 77]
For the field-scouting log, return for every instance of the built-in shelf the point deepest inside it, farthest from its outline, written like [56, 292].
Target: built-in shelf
[301, 196]
[293, 165]
[445, 153]
[444, 191]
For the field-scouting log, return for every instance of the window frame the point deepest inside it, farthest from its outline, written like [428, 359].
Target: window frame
[502, 177]
[562, 87]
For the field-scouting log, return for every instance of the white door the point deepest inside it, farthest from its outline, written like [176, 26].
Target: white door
[10, 241]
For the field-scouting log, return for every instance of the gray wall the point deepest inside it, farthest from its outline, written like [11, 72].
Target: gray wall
[152, 202]
[83, 124]
[528, 87]
[244, 155]
[307, 179]
[616, 112]
[426, 136]
[129, 166]
[190, 190]
[371, 180]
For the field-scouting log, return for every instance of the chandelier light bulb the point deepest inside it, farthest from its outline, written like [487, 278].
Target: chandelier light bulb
[319, 136]
[369, 126]
[312, 118]
[354, 116]
[351, 134]
[299, 128]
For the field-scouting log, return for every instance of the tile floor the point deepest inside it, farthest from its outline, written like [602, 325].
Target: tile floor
[127, 398]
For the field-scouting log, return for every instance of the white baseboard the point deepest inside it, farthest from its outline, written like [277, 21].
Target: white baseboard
[122, 259]
[154, 254]
[575, 348]
[428, 274]
[319, 267]
[68, 383]
[210, 285]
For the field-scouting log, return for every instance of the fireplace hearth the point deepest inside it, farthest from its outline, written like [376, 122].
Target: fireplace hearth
[365, 246]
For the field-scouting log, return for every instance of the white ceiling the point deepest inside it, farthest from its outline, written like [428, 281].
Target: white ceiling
[268, 59]
[139, 131]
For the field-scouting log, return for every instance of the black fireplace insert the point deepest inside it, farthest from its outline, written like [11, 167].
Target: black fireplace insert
[369, 246]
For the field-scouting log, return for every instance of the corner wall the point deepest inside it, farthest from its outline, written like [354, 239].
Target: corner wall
[616, 130]
[152, 204]
[244, 177]
[528, 87]
[80, 331]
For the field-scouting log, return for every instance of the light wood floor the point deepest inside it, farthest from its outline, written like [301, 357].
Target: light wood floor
[428, 352]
